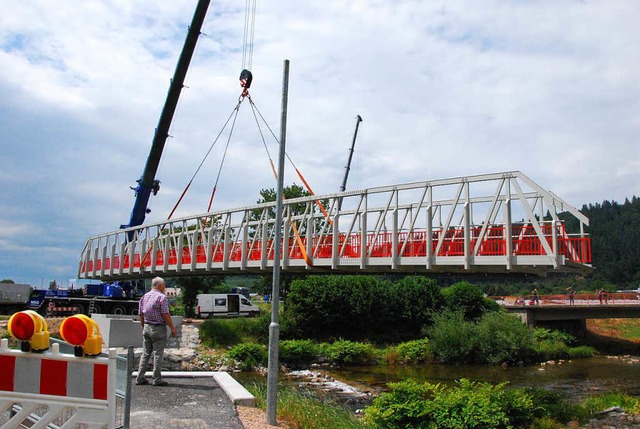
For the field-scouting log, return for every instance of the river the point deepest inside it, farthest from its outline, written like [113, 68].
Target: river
[577, 379]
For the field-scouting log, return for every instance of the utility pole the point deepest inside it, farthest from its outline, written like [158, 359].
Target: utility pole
[274, 327]
[348, 166]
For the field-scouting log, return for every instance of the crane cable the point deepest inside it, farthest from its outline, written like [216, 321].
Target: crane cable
[296, 232]
[255, 109]
[234, 115]
[249, 33]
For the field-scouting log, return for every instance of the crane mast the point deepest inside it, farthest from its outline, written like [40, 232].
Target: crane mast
[148, 183]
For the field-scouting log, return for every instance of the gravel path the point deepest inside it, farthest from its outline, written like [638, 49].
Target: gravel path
[255, 418]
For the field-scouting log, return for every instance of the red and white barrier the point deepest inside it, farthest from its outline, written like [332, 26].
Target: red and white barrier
[72, 390]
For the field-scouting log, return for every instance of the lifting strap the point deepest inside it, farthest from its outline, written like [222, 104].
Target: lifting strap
[255, 109]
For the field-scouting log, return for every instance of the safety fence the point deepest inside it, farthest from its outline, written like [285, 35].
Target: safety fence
[58, 390]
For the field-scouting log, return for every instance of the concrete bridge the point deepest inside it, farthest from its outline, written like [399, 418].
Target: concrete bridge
[556, 309]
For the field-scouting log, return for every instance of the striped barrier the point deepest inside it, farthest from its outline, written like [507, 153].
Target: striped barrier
[53, 389]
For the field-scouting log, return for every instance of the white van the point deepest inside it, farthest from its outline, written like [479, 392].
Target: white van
[227, 304]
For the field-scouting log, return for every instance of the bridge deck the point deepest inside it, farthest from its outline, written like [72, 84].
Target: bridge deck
[451, 225]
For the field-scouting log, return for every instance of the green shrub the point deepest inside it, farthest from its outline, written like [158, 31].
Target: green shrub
[466, 405]
[452, 338]
[552, 405]
[581, 352]
[467, 298]
[502, 337]
[253, 328]
[218, 333]
[345, 352]
[359, 308]
[249, 355]
[298, 352]
[543, 334]
[416, 351]
[227, 332]
[548, 350]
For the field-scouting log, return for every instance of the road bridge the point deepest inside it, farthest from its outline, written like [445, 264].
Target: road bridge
[490, 223]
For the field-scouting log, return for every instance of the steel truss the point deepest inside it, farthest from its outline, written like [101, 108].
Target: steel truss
[502, 222]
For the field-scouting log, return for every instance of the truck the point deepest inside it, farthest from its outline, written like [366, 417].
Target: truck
[224, 304]
[14, 297]
[109, 298]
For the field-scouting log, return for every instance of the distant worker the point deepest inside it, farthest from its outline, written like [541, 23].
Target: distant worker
[605, 296]
[571, 292]
[536, 300]
[154, 319]
[599, 293]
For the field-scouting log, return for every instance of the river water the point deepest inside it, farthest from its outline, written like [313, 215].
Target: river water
[577, 379]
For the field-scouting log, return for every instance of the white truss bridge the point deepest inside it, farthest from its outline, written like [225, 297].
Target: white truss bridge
[490, 223]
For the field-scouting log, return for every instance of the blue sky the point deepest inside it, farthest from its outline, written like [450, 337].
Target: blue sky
[445, 89]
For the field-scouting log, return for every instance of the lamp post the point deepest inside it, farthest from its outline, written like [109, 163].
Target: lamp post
[274, 327]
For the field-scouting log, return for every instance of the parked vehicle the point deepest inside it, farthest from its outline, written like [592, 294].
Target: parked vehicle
[222, 304]
[105, 298]
[13, 297]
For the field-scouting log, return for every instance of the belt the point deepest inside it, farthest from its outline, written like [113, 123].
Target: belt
[154, 324]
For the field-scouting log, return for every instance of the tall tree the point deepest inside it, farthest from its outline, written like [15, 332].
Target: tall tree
[194, 285]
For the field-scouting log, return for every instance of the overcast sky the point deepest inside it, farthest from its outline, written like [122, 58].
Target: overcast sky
[446, 89]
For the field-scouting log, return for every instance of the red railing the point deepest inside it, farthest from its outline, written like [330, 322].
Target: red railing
[525, 242]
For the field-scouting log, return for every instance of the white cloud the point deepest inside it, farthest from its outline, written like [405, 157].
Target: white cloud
[445, 89]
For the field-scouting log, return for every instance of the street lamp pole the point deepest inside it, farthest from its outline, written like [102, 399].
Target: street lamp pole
[274, 327]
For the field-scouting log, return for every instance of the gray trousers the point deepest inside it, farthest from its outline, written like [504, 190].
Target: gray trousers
[154, 340]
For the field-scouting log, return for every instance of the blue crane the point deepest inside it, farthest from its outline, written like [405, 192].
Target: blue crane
[148, 184]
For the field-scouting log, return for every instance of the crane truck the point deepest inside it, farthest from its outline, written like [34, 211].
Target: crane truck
[118, 297]
[111, 298]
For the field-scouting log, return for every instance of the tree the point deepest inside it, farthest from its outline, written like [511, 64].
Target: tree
[53, 285]
[7, 281]
[264, 285]
[194, 285]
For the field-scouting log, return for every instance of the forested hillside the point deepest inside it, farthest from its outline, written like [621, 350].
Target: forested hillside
[615, 241]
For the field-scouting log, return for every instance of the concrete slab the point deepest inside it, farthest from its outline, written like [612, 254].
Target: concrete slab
[124, 331]
[194, 403]
[234, 390]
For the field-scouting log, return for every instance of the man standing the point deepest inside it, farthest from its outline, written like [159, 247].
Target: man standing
[154, 318]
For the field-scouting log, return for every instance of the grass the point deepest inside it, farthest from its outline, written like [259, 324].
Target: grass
[628, 329]
[305, 410]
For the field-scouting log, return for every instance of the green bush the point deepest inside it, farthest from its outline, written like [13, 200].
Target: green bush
[581, 352]
[552, 405]
[466, 405]
[543, 334]
[218, 333]
[467, 298]
[227, 332]
[249, 355]
[359, 308]
[452, 338]
[345, 352]
[502, 337]
[298, 352]
[416, 351]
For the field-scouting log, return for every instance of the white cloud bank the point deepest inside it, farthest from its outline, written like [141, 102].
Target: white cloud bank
[445, 89]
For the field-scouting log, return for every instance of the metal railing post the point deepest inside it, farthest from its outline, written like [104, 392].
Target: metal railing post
[127, 396]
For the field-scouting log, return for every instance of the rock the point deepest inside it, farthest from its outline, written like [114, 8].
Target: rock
[573, 424]
[615, 409]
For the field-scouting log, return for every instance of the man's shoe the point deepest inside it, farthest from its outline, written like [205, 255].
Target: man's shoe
[143, 381]
[160, 383]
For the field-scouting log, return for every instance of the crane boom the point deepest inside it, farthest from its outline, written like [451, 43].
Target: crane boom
[148, 183]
